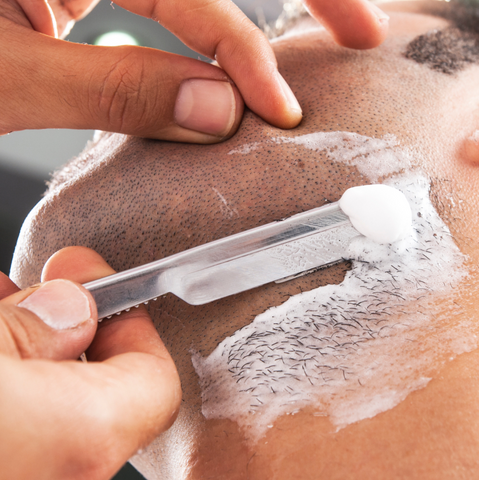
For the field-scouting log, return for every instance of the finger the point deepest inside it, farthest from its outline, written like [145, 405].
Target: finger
[75, 9]
[352, 23]
[142, 379]
[93, 416]
[55, 17]
[131, 90]
[131, 331]
[40, 15]
[7, 287]
[56, 320]
[219, 30]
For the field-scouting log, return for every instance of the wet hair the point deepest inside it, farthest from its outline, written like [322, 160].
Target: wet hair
[451, 49]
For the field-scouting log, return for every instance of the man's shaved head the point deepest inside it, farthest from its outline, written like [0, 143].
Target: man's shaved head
[136, 200]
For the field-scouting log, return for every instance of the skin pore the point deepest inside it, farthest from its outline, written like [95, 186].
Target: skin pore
[136, 200]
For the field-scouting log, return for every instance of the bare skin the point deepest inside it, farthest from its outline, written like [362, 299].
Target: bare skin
[49, 83]
[134, 201]
[47, 391]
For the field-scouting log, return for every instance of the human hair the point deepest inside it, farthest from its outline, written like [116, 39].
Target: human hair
[451, 49]
[448, 50]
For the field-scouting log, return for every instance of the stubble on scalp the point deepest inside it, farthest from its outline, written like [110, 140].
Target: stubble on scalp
[451, 49]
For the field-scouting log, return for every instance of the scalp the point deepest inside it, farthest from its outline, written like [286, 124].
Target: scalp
[136, 200]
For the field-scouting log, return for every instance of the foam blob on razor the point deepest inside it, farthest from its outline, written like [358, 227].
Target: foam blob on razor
[379, 212]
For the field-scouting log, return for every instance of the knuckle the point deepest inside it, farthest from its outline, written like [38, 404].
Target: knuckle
[15, 335]
[251, 40]
[122, 93]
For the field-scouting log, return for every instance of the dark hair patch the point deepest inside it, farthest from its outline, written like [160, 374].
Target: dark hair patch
[451, 49]
[447, 50]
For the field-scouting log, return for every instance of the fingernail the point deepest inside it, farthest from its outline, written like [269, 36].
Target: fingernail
[60, 304]
[206, 106]
[381, 16]
[288, 93]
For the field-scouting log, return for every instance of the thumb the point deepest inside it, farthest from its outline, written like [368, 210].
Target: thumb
[139, 91]
[56, 320]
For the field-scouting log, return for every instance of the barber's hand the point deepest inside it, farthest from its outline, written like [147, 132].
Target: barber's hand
[49, 83]
[64, 419]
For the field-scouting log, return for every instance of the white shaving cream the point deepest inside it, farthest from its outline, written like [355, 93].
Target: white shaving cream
[379, 212]
[351, 350]
[373, 157]
[475, 136]
[245, 149]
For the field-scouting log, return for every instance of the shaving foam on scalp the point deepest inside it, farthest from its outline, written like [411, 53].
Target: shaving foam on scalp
[349, 349]
[373, 157]
[355, 349]
[379, 212]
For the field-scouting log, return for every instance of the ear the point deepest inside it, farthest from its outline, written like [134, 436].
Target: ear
[471, 148]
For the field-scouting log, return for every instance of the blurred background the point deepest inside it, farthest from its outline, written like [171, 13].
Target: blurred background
[27, 158]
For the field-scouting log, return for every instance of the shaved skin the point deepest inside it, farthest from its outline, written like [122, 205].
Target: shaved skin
[134, 201]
